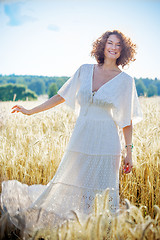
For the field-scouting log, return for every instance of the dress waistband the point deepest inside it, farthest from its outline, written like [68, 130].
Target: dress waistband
[96, 112]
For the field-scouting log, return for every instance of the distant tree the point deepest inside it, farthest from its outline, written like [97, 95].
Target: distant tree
[152, 90]
[146, 81]
[19, 80]
[29, 95]
[10, 92]
[37, 86]
[11, 81]
[52, 90]
[157, 84]
[141, 89]
[60, 81]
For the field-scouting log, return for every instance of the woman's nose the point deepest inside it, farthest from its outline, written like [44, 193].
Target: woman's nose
[113, 46]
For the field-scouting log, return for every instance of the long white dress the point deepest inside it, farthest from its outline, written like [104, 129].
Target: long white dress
[92, 159]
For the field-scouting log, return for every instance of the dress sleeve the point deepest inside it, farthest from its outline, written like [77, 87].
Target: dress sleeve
[69, 90]
[127, 106]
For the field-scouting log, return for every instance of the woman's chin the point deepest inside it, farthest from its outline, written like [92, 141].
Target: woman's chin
[112, 57]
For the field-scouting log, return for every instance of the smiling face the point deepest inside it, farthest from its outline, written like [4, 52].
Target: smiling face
[113, 47]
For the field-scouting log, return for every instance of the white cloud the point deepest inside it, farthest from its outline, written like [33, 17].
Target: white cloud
[16, 18]
[53, 27]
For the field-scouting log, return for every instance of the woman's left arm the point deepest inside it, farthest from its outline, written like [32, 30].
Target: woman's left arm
[127, 132]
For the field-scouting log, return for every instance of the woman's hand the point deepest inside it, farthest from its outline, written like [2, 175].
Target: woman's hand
[18, 108]
[50, 103]
[127, 164]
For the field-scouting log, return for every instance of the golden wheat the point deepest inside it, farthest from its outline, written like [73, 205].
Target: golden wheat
[141, 187]
[31, 149]
[130, 224]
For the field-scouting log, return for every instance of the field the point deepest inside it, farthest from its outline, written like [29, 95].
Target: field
[31, 148]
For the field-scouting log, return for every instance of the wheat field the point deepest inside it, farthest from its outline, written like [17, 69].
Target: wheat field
[31, 148]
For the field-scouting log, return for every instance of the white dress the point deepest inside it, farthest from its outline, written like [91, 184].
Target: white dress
[92, 159]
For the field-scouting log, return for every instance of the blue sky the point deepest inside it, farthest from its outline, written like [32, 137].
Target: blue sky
[54, 37]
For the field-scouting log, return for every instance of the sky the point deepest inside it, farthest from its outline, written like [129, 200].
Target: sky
[54, 37]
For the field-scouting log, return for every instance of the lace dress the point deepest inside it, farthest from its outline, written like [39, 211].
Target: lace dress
[92, 159]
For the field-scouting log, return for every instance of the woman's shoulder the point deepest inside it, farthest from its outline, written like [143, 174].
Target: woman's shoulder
[127, 79]
[127, 76]
[86, 66]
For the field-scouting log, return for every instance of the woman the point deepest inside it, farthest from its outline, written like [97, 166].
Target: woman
[108, 101]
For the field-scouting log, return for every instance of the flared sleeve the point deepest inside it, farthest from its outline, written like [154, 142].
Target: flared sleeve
[69, 90]
[127, 106]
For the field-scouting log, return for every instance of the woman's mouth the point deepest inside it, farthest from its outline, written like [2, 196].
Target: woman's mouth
[113, 53]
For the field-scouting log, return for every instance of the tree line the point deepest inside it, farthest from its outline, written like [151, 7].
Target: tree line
[148, 87]
[22, 87]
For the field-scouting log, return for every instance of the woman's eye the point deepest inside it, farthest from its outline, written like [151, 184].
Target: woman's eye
[117, 45]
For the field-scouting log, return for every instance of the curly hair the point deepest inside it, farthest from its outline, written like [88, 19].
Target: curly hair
[127, 53]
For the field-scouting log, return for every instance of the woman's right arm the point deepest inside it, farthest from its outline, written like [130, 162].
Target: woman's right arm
[50, 103]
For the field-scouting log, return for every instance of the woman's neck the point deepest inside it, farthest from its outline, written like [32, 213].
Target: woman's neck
[110, 65]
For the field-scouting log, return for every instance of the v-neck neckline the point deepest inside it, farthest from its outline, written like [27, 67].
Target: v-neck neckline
[93, 67]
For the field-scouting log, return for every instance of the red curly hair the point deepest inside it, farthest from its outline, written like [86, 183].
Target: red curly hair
[127, 53]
